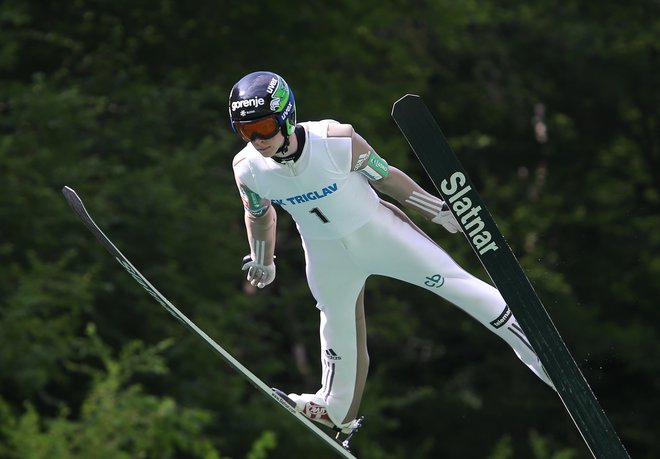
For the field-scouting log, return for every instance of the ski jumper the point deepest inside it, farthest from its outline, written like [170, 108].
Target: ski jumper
[349, 234]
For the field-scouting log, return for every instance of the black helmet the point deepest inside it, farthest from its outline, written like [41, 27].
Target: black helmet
[262, 94]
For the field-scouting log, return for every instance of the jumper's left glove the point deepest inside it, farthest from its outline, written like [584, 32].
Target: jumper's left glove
[447, 219]
[257, 274]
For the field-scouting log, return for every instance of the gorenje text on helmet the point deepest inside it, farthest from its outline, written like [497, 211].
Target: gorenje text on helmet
[253, 102]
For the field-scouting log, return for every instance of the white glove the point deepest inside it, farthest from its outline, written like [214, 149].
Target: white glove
[447, 219]
[257, 274]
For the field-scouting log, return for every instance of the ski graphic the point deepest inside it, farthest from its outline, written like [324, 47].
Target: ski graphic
[452, 181]
[79, 209]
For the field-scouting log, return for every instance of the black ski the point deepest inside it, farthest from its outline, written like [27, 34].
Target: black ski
[341, 447]
[452, 181]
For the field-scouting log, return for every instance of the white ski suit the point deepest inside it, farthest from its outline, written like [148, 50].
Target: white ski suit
[349, 234]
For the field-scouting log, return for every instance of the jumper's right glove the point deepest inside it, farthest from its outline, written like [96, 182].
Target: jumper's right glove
[447, 219]
[257, 274]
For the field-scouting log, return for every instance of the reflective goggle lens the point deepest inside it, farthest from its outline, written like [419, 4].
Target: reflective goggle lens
[263, 128]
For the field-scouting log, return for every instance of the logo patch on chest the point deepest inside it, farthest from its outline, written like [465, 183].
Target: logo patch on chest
[306, 197]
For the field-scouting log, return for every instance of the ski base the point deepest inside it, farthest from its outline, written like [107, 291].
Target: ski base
[429, 144]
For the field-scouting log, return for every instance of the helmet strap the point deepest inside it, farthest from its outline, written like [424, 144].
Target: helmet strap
[285, 146]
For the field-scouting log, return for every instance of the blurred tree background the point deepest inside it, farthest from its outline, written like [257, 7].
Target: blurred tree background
[553, 107]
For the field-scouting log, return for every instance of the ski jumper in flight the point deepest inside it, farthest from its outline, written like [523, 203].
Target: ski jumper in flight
[325, 175]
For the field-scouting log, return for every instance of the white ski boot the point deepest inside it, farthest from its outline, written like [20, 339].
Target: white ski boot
[313, 407]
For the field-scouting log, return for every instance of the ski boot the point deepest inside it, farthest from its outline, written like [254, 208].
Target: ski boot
[312, 407]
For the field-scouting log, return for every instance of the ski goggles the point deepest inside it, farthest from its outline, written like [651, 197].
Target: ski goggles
[262, 128]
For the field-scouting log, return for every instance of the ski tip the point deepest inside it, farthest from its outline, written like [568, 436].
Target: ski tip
[409, 96]
[69, 193]
[404, 99]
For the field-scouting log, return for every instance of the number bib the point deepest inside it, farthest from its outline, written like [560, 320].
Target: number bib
[326, 199]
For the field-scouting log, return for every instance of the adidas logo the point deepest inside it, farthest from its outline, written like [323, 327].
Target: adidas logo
[331, 355]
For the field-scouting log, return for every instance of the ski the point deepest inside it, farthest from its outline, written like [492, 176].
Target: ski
[339, 446]
[429, 144]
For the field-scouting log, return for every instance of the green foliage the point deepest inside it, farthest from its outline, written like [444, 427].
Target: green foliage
[540, 449]
[265, 443]
[553, 109]
[503, 449]
[40, 321]
[116, 419]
